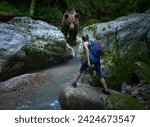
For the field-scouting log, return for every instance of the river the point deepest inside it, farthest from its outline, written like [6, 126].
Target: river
[42, 94]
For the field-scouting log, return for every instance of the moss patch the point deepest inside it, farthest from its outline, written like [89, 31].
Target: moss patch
[120, 101]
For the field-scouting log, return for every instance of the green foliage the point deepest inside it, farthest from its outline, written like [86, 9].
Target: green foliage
[125, 63]
[138, 61]
[143, 71]
[82, 56]
[94, 81]
[56, 15]
[52, 13]
[91, 21]
[124, 102]
[93, 29]
[6, 7]
[106, 10]
[91, 11]
[122, 70]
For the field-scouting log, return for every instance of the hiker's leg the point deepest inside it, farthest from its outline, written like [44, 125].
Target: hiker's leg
[77, 77]
[82, 68]
[99, 74]
[104, 84]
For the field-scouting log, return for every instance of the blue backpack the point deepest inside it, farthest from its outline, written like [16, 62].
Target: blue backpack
[95, 48]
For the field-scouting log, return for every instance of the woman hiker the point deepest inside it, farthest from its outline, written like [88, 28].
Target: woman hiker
[90, 60]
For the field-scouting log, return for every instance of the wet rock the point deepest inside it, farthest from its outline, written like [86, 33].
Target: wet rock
[82, 97]
[30, 45]
[135, 91]
[144, 92]
[12, 39]
[126, 88]
[126, 28]
[16, 82]
[87, 97]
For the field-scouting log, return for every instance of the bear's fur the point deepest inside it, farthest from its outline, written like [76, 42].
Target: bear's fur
[69, 26]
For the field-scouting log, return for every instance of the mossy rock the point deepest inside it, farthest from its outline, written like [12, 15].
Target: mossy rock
[119, 101]
[86, 97]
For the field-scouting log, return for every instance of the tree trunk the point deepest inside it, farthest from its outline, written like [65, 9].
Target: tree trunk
[32, 7]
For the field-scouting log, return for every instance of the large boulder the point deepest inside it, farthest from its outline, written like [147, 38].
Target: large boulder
[128, 30]
[12, 39]
[27, 44]
[126, 42]
[86, 97]
[16, 82]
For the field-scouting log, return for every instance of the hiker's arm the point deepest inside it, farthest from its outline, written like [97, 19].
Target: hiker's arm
[87, 52]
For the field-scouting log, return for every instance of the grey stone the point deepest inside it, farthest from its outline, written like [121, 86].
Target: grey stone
[27, 44]
[86, 97]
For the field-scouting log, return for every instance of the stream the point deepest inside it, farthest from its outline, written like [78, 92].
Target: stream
[42, 94]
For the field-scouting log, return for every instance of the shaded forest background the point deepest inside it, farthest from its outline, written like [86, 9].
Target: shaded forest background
[91, 11]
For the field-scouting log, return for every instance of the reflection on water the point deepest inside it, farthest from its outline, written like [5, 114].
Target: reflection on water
[24, 106]
[53, 105]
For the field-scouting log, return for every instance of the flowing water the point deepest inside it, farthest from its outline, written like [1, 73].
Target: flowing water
[42, 94]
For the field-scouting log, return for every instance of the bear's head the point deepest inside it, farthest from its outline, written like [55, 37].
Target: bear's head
[72, 20]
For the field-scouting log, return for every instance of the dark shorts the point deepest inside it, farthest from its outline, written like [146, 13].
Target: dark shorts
[96, 62]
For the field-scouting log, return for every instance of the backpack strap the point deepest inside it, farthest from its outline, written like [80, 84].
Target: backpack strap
[89, 44]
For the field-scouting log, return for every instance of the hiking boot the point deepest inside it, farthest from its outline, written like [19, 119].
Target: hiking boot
[106, 92]
[74, 84]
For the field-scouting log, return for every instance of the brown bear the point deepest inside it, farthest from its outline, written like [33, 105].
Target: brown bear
[69, 26]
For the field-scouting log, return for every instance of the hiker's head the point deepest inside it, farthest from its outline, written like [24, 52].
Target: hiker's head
[85, 37]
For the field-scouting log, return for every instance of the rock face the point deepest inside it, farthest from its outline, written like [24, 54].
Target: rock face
[141, 93]
[16, 82]
[130, 30]
[26, 44]
[86, 97]
[126, 43]
[12, 39]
